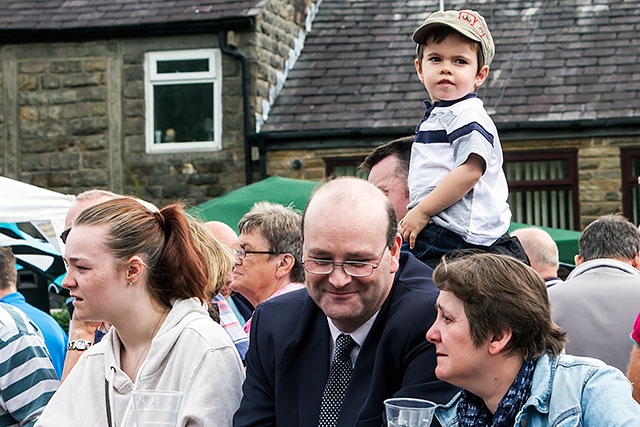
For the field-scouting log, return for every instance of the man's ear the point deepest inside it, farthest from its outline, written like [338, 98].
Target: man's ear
[577, 259]
[395, 254]
[499, 341]
[635, 261]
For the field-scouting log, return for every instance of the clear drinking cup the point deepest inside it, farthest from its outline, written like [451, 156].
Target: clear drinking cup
[408, 412]
[156, 408]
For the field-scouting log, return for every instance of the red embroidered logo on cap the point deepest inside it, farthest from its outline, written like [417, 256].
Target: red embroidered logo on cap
[472, 20]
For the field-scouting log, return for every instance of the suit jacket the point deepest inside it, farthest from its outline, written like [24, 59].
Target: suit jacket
[288, 360]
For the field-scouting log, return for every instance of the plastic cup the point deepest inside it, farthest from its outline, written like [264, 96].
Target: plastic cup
[408, 412]
[156, 408]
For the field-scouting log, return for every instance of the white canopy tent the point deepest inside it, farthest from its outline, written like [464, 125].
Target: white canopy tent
[22, 204]
[45, 209]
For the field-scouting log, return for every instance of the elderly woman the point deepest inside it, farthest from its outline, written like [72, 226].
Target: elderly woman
[150, 275]
[495, 339]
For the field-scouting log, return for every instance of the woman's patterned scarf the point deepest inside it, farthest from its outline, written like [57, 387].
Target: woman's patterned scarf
[473, 412]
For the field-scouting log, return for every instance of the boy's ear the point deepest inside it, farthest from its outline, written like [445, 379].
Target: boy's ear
[418, 69]
[481, 76]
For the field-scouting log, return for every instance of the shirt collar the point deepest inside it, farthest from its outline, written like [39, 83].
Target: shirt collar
[359, 335]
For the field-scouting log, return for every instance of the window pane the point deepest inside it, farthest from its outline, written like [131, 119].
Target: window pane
[536, 170]
[633, 189]
[547, 208]
[183, 113]
[183, 66]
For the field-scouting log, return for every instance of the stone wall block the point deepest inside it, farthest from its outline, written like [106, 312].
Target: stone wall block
[174, 191]
[133, 74]
[31, 67]
[90, 178]
[34, 162]
[51, 113]
[91, 94]
[27, 113]
[72, 111]
[93, 65]
[65, 67]
[82, 79]
[95, 160]
[134, 90]
[133, 125]
[59, 179]
[133, 108]
[214, 191]
[28, 82]
[93, 142]
[50, 82]
[68, 161]
[97, 109]
[30, 130]
[203, 179]
[89, 126]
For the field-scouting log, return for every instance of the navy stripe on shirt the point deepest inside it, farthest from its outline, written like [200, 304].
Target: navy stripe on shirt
[467, 129]
[441, 137]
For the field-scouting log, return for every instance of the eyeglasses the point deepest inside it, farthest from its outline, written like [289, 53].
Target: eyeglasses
[242, 253]
[352, 268]
[64, 235]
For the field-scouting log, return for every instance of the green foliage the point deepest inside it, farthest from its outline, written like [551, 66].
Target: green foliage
[62, 317]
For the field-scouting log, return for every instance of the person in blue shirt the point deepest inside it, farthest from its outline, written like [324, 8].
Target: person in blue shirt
[54, 336]
[495, 339]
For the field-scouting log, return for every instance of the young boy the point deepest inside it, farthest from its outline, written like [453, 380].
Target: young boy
[458, 189]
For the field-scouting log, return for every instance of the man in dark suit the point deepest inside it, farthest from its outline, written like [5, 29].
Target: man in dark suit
[358, 283]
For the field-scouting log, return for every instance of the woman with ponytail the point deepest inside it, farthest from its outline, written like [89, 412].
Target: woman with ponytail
[150, 275]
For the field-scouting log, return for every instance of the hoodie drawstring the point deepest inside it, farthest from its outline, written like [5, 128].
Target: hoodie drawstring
[108, 396]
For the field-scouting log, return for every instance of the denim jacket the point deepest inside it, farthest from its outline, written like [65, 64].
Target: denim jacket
[569, 391]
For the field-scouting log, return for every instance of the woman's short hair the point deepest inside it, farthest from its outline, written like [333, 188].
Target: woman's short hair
[500, 293]
[280, 227]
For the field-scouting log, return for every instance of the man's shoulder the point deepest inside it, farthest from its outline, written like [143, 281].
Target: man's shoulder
[292, 297]
[45, 322]
[14, 321]
[414, 277]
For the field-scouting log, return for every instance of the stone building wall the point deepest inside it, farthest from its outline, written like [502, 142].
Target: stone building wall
[74, 119]
[72, 115]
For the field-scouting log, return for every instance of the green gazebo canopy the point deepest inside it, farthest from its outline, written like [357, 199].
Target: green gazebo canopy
[295, 192]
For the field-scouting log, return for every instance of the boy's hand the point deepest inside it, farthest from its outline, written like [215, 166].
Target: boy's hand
[412, 224]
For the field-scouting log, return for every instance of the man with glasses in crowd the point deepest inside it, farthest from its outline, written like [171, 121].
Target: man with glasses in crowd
[268, 254]
[365, 301]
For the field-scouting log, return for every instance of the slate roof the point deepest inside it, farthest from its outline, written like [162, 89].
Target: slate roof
[556, 61]
[35, 15]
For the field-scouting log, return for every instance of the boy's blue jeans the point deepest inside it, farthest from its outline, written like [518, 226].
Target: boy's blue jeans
[435, 241]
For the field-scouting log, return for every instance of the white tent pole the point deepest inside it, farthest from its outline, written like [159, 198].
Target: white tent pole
[441, 5]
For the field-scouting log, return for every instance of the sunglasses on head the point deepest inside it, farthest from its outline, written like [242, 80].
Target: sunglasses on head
[64, 235]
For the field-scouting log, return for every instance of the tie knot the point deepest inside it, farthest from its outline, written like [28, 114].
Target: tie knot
[344, 345]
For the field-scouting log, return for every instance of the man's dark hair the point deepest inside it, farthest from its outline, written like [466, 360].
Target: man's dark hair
[401, 148]
[8, 271]
[610, 236]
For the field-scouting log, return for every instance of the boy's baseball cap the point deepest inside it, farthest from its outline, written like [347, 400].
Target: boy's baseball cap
[469, 23]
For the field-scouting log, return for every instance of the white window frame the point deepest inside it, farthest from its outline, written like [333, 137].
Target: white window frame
[153, 78]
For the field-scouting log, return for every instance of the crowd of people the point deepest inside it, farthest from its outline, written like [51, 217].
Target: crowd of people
[405, 285]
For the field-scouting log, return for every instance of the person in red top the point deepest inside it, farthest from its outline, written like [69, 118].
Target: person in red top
[633, 373]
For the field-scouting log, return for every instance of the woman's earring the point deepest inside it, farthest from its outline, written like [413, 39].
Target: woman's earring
[130, 282]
